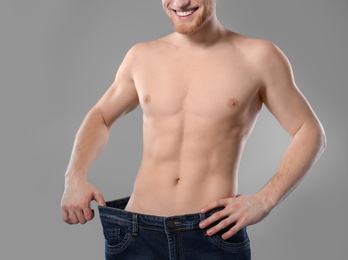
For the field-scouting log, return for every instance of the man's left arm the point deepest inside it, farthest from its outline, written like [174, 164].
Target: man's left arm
[284, 100]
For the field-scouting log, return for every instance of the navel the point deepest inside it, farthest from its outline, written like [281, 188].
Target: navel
[147, 99]
[232, 102]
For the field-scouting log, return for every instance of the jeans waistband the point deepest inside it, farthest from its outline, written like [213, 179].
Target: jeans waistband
[114, 210]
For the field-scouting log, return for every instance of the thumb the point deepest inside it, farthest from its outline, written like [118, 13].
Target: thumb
[98, 197]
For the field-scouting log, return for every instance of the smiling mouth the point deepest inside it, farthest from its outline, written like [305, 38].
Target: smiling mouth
[185, 13]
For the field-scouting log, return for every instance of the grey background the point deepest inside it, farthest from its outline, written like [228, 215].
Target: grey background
[58, 57]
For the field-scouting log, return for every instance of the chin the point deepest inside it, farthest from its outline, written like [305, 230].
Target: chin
[185, 30]
[190, 28]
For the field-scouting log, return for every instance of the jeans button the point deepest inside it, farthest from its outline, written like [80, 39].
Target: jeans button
[170, 223]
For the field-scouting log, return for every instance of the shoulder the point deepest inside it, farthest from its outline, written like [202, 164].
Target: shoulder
[265, 57]
[258, 51]
[149, 48]
[144, 54]
[138, 54]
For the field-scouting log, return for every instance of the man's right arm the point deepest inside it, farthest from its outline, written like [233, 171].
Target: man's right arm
[90, 141]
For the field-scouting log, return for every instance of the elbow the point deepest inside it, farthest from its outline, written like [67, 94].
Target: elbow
[323, 139]
[319, 133]
[96, 116]
[314, 134]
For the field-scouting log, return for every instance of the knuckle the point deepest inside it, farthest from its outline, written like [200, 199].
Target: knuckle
[235, 206]
[84, 204]
[242, 219]
[234, 230]
[75, 206]
[237, 227]
[235, 217]
[217, 215]
[206, 223]
[225, 222]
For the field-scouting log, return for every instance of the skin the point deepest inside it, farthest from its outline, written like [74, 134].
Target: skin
[200, 89]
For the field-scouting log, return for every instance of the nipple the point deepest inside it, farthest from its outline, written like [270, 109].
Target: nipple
[147, 99]
[232, 102]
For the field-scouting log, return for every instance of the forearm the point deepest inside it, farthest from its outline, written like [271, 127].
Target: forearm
[91, 139]
[306, 147]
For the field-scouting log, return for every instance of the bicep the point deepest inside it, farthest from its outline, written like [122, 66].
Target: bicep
[281, 95]
[121, 97]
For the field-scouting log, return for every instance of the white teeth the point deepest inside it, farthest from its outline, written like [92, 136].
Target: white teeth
[183, 14]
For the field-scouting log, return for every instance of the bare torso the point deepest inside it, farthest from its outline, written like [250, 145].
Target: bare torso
[199, 106]
[200, 89]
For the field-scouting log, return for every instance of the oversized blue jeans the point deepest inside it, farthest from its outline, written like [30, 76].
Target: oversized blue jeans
[131, 235]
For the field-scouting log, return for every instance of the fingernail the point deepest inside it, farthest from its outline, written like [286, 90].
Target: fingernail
[209, 232]
[201, 225]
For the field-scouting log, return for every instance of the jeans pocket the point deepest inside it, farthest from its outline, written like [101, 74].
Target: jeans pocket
[236, 244]
[117, 235]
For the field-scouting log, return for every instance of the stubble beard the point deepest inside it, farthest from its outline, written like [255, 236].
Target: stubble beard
[189, 28]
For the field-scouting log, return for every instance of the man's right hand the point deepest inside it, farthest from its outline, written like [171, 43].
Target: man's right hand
[76, 202]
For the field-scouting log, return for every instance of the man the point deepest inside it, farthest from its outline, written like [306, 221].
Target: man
[200, 89]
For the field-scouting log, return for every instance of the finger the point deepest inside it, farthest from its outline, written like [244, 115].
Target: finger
[214, 218]
[88, 213]
[224, 223]
[80, 217]
[73, 218]
[65, 215]
[232, 231]
[98, 197]
[217, 203]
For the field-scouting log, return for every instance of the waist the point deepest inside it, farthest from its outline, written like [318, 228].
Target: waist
[166, 192]
[115, 211]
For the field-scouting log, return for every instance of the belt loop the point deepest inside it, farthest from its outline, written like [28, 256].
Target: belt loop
[135, 224]
[202, 216]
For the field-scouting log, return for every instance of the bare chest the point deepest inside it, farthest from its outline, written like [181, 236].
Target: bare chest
[206, 87]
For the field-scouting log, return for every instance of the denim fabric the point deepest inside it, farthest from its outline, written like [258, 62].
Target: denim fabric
[131, 235]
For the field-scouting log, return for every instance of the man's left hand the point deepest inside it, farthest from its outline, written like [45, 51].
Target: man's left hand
[242, 210]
